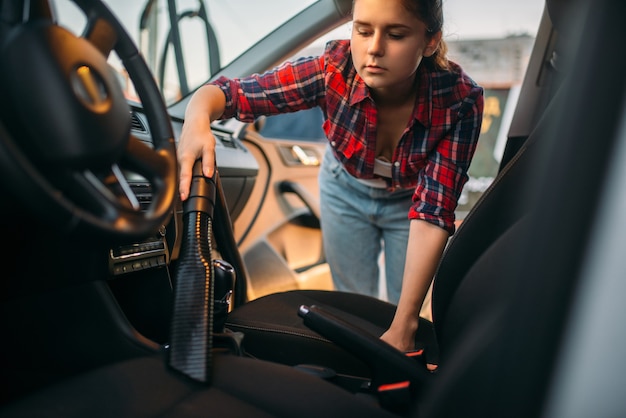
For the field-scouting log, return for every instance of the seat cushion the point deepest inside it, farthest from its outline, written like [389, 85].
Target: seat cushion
[241, 387]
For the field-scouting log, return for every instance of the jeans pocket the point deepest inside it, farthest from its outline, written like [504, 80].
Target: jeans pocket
[331, 165]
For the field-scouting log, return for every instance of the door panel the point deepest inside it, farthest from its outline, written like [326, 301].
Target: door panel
[278, 231]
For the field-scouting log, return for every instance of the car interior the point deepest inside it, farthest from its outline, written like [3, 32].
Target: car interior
[527, 311]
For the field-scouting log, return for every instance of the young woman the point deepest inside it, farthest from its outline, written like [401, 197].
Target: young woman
[402, 124]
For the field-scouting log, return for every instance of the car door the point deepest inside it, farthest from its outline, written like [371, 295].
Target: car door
[278, 230]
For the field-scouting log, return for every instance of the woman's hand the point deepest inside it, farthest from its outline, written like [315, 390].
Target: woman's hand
[401, 336]
[196, 141]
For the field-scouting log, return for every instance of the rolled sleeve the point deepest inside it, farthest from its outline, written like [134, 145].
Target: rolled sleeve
[441, 181]
[288, 88]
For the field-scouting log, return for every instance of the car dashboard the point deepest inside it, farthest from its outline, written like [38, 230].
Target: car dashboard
[238, 170]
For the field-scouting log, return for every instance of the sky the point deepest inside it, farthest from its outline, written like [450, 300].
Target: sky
[476, 19]
[463, 18]
[466, 19]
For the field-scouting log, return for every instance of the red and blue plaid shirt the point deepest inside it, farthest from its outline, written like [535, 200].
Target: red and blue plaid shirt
[437, 145]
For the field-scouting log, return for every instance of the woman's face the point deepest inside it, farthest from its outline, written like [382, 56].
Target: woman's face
[388, 43]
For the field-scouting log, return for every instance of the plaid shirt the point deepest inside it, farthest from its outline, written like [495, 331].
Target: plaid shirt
[437, 145]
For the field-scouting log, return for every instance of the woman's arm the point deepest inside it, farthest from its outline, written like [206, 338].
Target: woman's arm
[423, 252]
[196, 139]
[432, 214]
[290, 87]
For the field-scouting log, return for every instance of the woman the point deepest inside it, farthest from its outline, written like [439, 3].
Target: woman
[402, 123]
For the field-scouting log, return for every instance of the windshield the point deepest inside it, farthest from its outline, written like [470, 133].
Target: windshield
[185, 42]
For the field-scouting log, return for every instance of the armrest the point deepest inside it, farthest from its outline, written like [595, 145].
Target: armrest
[388, 365]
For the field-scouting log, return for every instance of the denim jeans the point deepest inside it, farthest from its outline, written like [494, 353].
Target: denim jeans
[358, 222]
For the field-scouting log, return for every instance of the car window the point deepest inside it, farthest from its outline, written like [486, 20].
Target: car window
[212, 34]
[305, 125]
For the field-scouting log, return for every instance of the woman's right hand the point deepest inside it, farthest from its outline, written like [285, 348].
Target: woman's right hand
[196, 139]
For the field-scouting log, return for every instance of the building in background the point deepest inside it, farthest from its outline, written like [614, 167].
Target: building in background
[498, 65]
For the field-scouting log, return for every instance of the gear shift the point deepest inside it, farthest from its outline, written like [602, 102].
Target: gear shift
[224, 279]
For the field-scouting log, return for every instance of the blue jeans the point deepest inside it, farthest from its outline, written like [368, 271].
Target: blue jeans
[358, 222]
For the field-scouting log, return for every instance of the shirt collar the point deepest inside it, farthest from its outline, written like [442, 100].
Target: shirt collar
[359, 90]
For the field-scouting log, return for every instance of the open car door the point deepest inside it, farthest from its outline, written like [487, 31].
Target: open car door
[278, 231]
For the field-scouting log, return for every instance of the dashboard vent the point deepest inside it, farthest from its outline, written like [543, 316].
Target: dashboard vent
[136, 124]
[225, 139]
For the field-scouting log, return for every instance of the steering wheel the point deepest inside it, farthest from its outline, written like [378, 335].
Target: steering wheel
[66, 146]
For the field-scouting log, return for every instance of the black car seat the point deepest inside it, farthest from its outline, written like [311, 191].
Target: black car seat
[274, 332]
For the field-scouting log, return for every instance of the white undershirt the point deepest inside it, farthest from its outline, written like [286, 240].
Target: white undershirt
[382, 168]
